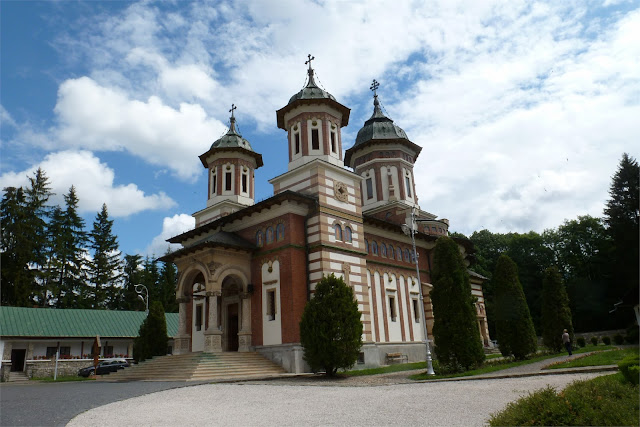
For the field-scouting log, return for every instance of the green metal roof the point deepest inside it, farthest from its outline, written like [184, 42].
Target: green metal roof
[51, 322]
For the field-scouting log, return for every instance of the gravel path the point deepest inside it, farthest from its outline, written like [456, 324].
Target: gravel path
[452, 403]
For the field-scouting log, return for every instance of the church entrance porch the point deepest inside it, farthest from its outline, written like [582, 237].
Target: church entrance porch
[215, 310]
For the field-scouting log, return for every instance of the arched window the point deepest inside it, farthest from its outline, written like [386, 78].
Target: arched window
[407, 257]
[383, 250]
[269, 235]
[399, 254]
[366, 245]
[392, 254]
[374, 248]
[280, 232]
[347, 234]
[259, 238]
[337, 230]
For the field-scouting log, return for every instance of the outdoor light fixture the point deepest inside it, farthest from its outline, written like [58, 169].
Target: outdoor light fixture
[144, 298]
[411, 231]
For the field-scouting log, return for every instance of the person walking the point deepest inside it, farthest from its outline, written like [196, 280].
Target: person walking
[567, 341]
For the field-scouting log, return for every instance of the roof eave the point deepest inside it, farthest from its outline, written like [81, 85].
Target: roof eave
[335, 104]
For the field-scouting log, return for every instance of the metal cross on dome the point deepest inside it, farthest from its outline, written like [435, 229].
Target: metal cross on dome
[374, 86]
[311, 58]
[233, 107]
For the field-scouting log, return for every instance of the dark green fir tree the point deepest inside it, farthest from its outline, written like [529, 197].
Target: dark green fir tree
[105, 269]
[455, 328]
[556, 314]
[515, 332]
[331, 329]
[152, 338]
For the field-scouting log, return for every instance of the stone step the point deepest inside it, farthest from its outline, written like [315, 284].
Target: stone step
[199, 366]
[15, 377]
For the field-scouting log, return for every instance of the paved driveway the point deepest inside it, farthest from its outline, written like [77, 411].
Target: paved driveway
[54, 404]
[452, 403]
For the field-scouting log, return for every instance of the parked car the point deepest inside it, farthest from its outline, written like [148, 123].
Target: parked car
[104, 367]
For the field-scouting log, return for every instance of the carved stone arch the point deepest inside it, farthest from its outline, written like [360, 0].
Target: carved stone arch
[187, 276]
[231, 270]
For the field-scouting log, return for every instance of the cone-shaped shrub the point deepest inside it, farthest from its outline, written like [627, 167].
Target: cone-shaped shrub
[556, 314]
[152, 339]
[455, 329]
[331, 329]
[514, 327]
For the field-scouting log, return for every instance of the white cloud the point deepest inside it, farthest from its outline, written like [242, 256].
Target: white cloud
[171, 226]
[94, 183]
[100, 118]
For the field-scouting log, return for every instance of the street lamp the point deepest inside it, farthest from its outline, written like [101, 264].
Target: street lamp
[144, 298]
[411, 231]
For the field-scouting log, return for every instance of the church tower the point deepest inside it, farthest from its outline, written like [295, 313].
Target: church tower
[335, 230]
[313, 119]
[384, 157]
[231, 163]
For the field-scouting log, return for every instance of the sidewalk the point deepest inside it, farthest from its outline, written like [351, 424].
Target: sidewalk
[529, 370]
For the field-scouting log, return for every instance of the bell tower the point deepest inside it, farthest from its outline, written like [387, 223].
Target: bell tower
[313, 120]
[231, 163]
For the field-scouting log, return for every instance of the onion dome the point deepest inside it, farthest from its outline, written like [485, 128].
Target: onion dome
[311, 91]
[311, 94]
[379, 126]
[232, 138]
[232, 141]
[379, 129]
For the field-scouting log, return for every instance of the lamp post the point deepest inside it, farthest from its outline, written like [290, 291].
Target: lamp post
[411, 231]
[144, 298]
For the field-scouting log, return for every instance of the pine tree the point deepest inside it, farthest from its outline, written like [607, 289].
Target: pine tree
[152, 338]
[37, 196]
[105, 268]
[515, 332]
[556, 315]
[621, 217]
[168, 283]
[17, 278]
[132, 277]
[67, 240]
[331, 329]
[151, 279]
[455, 328]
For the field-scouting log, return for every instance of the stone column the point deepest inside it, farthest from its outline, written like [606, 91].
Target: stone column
[213, 334]
[181, 341]
[244, 336]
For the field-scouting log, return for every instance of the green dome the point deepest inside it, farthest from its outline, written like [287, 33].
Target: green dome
[311, 91]
[379, 126]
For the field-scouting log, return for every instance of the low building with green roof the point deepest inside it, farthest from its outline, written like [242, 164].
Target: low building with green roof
[30, 337]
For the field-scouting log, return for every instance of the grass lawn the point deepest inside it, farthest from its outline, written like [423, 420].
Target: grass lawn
[386, 369]
[499, 365]
[601, 358]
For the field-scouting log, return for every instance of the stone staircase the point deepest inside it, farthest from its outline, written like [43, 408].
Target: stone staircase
[18, 377]
[199, 367]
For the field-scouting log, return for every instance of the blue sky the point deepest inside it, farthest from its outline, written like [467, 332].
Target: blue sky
[523, 109]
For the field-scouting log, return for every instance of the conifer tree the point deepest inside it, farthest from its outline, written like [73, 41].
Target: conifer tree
[455, 328]
[515, 332]
[132, 277]
[168, 283]
[331, 329]
[152, 338]
[67, 254]
[556, 314]
[151, 279]
[622, 219]
[37, 196]
[17, 279]
[105, 268]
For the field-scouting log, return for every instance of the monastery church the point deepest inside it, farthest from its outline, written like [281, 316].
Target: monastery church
[247, 269]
